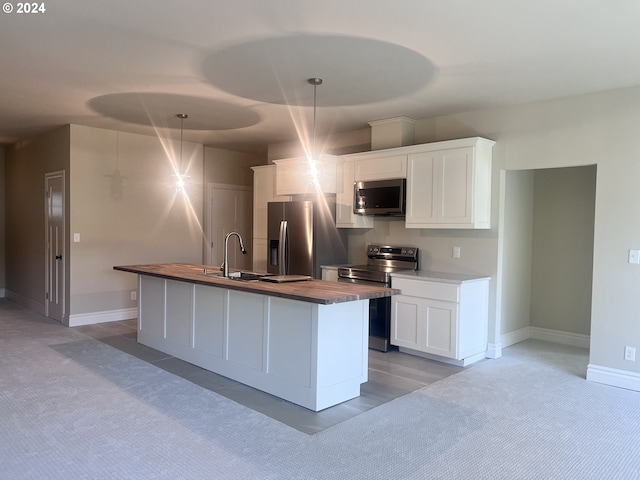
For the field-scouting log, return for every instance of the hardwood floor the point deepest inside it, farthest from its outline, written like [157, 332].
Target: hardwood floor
[391, 375]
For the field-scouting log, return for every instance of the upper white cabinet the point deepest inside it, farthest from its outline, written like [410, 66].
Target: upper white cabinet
[296, 176]
[345, 218]
[264, 191]
[380, 167]
[449, 185]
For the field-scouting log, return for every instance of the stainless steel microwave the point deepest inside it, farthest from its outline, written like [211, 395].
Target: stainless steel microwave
[380, 197]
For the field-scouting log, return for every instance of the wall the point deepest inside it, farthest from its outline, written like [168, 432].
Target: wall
[229, 167]
[26, 164]
[515, 264]
[143, 219]
[564, 208]
[2, 222]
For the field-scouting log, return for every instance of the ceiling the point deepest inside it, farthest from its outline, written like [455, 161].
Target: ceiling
[240, 69]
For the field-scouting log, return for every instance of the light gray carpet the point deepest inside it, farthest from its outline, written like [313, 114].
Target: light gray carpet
[72, 407]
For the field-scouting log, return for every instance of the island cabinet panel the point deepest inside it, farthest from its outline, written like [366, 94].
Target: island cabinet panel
[289, 320]
[151, 308]
[208, 321]
[311, 354]
[245, 334]
[179, 304]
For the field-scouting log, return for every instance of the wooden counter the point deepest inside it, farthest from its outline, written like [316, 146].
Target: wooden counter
[313, 291]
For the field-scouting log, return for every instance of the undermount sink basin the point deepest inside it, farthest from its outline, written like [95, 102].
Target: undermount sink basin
[242, 276]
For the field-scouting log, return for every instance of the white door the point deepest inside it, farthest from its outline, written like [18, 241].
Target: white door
[230, 209]
[55, 257]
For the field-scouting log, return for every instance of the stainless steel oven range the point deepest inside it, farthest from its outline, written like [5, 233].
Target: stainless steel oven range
[382, 260]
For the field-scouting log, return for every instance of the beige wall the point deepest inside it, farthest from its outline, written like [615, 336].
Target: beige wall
[564, 209]
[146, 221]
[229, 167]
[26, 164]
[2, 219]
[516, 252]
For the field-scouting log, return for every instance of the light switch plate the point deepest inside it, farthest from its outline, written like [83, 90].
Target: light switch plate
[456, 252]
[634, 256]
[76, 237]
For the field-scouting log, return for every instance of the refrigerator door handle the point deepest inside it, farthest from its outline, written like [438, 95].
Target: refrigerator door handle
[282, 248]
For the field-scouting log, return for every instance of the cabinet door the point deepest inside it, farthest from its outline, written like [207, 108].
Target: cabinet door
[345, 218]
[407, 319]
[440, 189]
[454, 186]
[439, 329]
[422, 171]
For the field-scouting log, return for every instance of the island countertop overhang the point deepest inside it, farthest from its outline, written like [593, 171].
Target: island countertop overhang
[313, 291]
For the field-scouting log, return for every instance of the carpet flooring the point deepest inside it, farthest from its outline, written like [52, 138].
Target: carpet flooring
[73, 407]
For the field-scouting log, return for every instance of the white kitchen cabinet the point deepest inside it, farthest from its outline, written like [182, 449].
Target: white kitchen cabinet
[300, 176]
[449, 185]
[264, 191]
[441, 315]
[345, 218]
[380, 167]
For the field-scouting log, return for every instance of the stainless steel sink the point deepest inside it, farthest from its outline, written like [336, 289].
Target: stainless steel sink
[241, 276]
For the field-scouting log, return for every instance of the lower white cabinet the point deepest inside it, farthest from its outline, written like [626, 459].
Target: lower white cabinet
[446, 318]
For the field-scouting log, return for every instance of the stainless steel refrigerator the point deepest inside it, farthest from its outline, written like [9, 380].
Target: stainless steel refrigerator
[302, 236]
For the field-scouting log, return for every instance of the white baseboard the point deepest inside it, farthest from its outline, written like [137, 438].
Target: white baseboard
[451, 361]
[556, 336]
[494, 350]
[25, 302]
[516, 336]
[613, 377]
[546, 334]
[102, 317]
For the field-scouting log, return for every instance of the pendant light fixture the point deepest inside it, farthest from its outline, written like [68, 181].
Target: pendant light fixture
[313, 158]
[181, 181]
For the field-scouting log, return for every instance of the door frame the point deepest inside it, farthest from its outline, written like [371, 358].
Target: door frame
[47, 177]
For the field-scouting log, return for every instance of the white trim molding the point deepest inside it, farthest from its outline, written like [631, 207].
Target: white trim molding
[494, 350]
[102, 317]
[546, 334]
[556, 336]
[613, 377]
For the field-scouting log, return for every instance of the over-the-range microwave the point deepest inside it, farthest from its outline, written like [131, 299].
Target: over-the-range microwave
[380, 197]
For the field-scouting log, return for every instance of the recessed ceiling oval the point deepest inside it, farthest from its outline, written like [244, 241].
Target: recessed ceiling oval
[159, 110]
[355, 70]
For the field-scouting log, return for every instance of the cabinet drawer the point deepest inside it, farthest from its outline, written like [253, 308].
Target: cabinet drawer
[427, 289]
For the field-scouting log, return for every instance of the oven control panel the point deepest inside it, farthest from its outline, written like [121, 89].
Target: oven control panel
[389, 252]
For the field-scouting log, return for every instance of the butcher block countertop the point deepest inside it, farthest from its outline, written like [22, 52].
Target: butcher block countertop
[312, 291]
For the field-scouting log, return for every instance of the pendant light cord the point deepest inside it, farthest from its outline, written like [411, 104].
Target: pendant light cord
[315, 82]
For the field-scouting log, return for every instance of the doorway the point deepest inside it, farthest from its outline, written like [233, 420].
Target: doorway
[546, 255]
[55, 251]
[229, 208]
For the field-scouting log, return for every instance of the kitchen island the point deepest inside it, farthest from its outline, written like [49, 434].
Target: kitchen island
[305, 342]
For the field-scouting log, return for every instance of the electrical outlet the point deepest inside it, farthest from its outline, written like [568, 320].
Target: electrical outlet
[134, 295]
[634, 256]
[456, 252]
[76, 238]
[630, 354]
